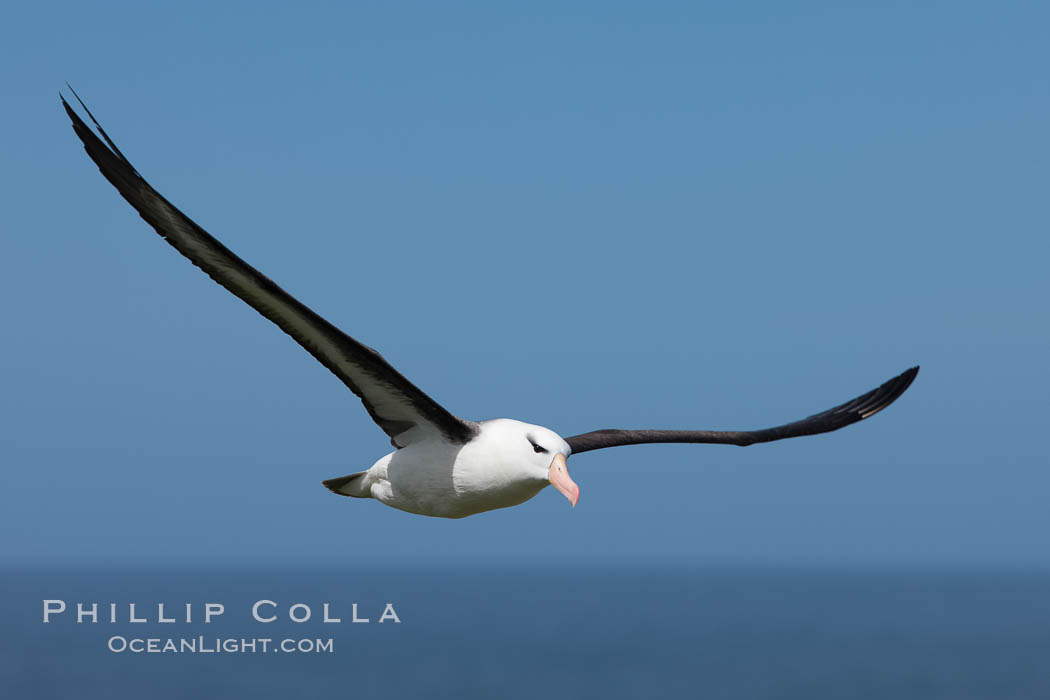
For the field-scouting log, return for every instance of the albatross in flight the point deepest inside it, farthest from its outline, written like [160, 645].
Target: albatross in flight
[442, 466]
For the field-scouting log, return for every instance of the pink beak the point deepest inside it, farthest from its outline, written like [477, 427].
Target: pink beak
[559, 478]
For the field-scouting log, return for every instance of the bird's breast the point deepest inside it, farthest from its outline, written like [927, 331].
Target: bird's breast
[450, 483]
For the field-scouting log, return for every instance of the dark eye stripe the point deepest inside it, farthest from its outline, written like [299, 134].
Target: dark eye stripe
[535, 447]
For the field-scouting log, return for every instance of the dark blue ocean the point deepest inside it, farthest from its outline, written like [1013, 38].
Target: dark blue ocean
[545, 632]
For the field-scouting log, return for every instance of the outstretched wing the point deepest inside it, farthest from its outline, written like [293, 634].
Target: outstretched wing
[852, 411]
[404, 412]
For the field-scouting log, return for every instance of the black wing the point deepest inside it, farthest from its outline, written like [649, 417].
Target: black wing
[834, 418]
[404, 412]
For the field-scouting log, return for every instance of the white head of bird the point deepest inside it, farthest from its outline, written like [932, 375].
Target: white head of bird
[529, 454]
[509, 462]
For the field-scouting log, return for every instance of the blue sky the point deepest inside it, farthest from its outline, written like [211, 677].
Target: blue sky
[610, 215]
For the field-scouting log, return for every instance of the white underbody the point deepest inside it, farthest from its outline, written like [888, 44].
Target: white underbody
[437, 478]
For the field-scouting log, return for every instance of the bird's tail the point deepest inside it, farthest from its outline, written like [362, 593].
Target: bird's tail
[350, 485]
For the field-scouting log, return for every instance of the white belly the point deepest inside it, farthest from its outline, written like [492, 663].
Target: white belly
[447, 481]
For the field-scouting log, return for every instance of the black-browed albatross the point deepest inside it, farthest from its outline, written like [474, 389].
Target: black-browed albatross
[442, 466]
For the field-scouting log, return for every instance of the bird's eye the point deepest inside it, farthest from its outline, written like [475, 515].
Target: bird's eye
[537, 448]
